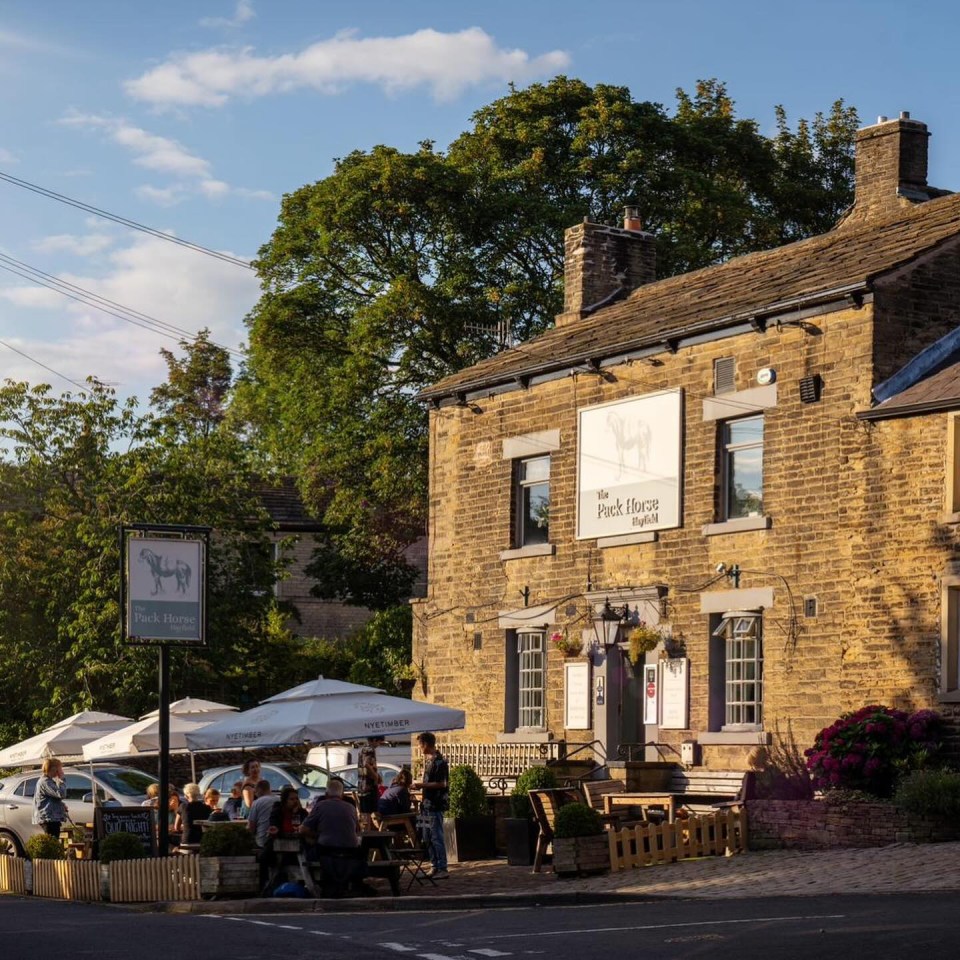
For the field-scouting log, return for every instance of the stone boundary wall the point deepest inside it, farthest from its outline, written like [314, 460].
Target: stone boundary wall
[815, 825]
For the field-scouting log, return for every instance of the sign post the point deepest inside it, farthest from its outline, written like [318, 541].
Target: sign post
[163, 590]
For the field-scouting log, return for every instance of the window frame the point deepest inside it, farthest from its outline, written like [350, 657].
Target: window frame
[532, 645]
[949, 680]
[520, 488]
[728, 450]
[733, 630]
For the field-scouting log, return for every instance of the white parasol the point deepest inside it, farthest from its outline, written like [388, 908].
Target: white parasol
[323, 710]
[65, 739]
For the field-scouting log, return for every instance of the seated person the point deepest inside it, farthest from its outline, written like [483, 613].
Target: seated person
[190, 814]
[287, 815]
[258, 819]
[396, 798]
[233, 803]
[332, 835]
[212, 799]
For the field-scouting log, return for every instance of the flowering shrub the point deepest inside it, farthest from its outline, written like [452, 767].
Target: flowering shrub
[867, 749]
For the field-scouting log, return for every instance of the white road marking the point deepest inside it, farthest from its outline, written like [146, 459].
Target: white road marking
[436, 956]
[399, 947]
[649, 926]
[489, 952]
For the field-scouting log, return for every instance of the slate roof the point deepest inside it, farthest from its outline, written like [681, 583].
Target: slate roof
[940, 390]
[846, 259]
[286, 509]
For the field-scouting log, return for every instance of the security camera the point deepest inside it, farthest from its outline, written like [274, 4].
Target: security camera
[721, 568]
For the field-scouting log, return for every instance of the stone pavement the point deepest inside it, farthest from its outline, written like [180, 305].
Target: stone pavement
[898, 868]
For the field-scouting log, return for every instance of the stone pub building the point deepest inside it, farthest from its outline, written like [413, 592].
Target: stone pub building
[758, 460]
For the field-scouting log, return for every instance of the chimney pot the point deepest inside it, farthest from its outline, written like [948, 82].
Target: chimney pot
[904, 114]
[881, 119]
[631, 218]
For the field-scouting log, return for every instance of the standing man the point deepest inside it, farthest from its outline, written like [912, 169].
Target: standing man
[436, 795]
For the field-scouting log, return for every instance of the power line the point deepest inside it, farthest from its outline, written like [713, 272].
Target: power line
[45, 367]
[104, 304]
[124, 221]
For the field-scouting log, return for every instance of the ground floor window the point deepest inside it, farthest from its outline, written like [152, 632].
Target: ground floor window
[524, 695]
[736, 669]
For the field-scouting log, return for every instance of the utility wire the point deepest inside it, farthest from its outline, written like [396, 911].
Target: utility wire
[124, 221]
[104, 304]
[45, 367]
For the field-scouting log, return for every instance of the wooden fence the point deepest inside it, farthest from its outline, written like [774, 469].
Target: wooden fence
[66, 879]
[711, 834]
[161, 878]
[12, 876]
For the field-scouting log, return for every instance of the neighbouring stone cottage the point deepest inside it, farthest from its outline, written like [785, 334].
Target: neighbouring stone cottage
[759, 460]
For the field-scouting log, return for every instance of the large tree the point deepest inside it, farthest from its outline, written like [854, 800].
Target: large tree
[74, 468]
[400, 268]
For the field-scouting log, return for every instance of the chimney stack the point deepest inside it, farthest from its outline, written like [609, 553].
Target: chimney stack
[601, 264]
[891, 167]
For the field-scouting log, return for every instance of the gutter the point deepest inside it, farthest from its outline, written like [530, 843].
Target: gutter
[909, 409]
[668, 342]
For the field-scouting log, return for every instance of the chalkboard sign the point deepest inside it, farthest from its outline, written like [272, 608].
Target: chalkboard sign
[135, 820]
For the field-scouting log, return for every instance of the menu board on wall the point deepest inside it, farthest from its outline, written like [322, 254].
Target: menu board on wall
[576, 696]
[674, 697]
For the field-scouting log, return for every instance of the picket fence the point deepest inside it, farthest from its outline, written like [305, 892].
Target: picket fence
[12, 874]
[161, 878]
[122, 881]
[708, 835]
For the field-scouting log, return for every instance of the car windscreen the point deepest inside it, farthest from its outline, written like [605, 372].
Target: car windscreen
[126, 782]
[310, 776]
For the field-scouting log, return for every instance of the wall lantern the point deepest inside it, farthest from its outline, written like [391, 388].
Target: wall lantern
[606, 624]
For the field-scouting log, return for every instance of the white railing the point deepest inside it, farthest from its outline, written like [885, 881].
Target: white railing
[507, 760]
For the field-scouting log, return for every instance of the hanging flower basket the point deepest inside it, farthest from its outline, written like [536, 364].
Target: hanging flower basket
[566, 646]
[640, 641]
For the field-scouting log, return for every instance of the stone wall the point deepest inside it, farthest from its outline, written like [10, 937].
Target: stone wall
[816, 825]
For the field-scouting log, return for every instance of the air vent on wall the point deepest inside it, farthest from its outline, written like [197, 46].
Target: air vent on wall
[724, 375]
[810, 388]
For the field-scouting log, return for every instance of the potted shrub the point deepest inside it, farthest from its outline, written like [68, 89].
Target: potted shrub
[580, 844]
[121, 846]
[41, 846]
[522, 829]
[469, 827]
[228, 865]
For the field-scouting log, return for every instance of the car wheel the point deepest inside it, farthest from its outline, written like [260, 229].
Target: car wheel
[13, 846]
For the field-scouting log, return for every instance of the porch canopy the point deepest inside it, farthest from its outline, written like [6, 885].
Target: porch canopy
[323, 710]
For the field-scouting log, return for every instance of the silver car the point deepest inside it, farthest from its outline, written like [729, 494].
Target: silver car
[116, 786]
[309, 779]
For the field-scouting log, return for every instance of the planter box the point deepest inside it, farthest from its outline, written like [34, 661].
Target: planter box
[229, 876]
[470, 838]
[522, 836]
[581, 856]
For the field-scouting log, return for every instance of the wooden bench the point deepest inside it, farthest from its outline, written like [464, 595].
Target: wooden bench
[693, 791]
[596, 790]
[545, 804]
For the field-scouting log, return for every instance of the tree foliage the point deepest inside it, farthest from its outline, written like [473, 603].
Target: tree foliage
[398, 269]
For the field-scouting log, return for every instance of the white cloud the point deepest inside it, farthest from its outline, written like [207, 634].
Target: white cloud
[82, 246]
[163, 280]
[242, 13]
[7, 157]
[150, 150]
[161, 196]
[446, 63]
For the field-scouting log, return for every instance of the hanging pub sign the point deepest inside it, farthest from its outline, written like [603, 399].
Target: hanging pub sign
[163, 582]
[629, 465]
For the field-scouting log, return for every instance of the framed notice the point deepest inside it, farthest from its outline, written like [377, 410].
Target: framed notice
[164, 580]
[674, 694]
[576, 696]
[136, 820]
[629, 465]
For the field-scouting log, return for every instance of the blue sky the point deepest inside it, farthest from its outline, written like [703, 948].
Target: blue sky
[195, 118]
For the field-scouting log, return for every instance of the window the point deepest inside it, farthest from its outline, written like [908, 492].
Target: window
[530, 657]
[738, 645]
[950, 638]
[77, 787]
[742, 468]
[533, 501]
[27, 788]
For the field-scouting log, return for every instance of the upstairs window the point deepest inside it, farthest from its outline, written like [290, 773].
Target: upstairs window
[742, 468]
[533, 501]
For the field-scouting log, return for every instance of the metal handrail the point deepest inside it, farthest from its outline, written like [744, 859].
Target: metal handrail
[626, 750]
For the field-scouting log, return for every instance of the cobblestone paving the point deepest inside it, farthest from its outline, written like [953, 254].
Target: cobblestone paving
[896, 868]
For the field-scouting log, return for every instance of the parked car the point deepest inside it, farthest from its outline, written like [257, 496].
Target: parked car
[117, 786]
[348, 773]
[309, 779]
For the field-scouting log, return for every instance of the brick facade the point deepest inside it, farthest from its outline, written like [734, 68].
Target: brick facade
[855, 508]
